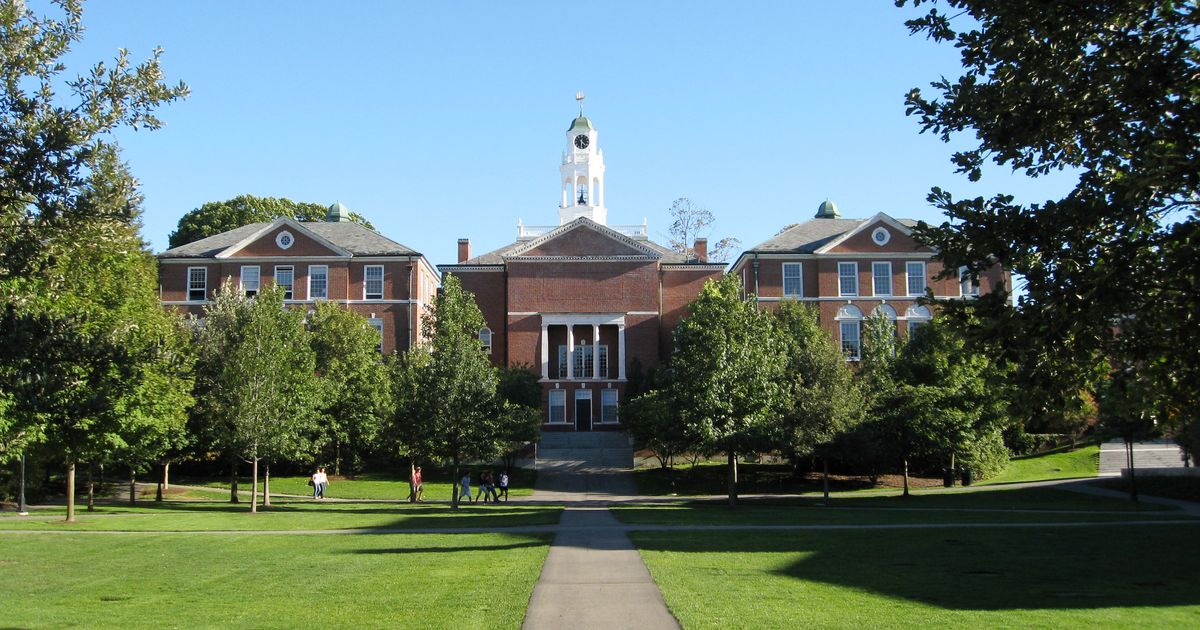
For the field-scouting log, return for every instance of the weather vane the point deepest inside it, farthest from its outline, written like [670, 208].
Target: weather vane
[579, 96]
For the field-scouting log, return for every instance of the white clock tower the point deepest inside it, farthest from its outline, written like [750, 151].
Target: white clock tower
[582, 173]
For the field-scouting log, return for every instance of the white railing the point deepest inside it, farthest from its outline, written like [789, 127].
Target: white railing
[527, 232]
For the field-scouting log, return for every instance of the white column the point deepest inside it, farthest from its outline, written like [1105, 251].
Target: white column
[545, 351]
[570, 352]
[574, 189]
[595, 351]
[621, 351]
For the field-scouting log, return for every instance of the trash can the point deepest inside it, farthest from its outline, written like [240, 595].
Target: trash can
[948, 477]
[967, 476]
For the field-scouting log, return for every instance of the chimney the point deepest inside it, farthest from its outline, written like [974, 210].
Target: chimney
[464, 250]
[701, 250]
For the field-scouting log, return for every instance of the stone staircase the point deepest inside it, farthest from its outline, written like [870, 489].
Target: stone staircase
[1146, 455]
[585, 449]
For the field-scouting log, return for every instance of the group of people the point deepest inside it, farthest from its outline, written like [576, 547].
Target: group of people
[319, 482]
[489, 487]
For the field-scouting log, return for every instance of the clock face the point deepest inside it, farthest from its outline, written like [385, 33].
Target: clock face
[581, 141]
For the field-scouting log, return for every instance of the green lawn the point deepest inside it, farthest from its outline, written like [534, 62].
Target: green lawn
[1107, 577]
[1068, 464]
[369, 485]
[285, 515]
[711, 478]
[271, 581]
[1185, 488]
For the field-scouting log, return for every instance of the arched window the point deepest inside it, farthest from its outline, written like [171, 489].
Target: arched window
[887, 311]
[849, 319]
[917, 316]
[485, 339]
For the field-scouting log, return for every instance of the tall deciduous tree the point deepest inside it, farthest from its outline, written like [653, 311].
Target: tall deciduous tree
[727, 371]
[357, 392]
[1106, 90]
[449, 409]
[215, 217]
[689, 222]
[823, 398]
[520, 420]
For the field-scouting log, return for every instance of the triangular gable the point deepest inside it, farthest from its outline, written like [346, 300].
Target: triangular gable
[859, 239]
[263, 242]
[583, 237]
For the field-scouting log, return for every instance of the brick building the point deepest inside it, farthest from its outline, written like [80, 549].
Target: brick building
[335, 260]
[581, 301]
[851, 268]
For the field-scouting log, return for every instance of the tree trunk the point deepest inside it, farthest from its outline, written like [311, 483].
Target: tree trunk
[337, 456]
[905, 476]
[825, 477]
[91, 489]
[733, 494]
[254, 487]
[267, 485]
[233, 485]
[70, 491]
[1133, 495]
[166, 479]
[132, 486]
[162, 484]
[454, 487]
[412, 487]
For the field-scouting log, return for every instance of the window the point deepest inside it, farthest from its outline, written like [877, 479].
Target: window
[848, 278]
[967, 285]
[608, 405]
[373, 282]
[318, 282]
[792, 283]
[485, 339]
[583, 361]
[284, 240]
[881, 274]
[283, 280]
[250, 277]
[558, 406]
[603, 361]
[377, 324]
[851, 345]
[915, 277]
[917, 316]
[197, 284]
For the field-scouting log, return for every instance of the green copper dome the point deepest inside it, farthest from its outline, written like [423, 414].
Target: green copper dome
[580, 123]
[338, 213]
[828, 210]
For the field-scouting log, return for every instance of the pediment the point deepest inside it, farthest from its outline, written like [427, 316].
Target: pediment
[584, 238]
[861, 240]
[283, 237]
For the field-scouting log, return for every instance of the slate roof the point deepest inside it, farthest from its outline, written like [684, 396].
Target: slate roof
[352, 237]
[807, 237]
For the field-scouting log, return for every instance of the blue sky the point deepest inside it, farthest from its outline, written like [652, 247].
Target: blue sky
[446, 120]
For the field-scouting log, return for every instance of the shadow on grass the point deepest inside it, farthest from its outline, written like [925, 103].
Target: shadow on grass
[1097, 567]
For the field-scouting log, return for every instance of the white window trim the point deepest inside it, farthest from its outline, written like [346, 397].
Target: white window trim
[964, 281]
[550, 406]
[292, 285]
[257, 278]
[841, 338]
[908, 278]
[279, 238]
[486, 346]
[308, 284]
[377, 324]
[382, 275]
[887, 236]
[874, 289]
[616, 404]
[839, 275]
[188, 283]
[799, 279]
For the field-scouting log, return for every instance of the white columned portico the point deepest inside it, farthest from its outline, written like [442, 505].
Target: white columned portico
[621, 350]
[595, 350]
[570, 351]
[545, 351]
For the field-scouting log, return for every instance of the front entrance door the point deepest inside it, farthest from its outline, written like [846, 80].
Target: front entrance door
[583, 414]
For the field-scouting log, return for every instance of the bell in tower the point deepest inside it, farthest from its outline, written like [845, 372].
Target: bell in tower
[582, 171]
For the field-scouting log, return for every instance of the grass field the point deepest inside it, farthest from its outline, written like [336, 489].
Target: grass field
[368, 485]
[1106, 577]
[1064, 464]
[284, 515]
[269, 581]
[1185, 488]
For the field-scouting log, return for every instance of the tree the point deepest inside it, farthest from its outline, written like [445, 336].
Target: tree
[520, 421]
[449, 408]
[357, 396]
[1106, 90]
[215, 217]
[823, 399]
[1127, 409]
[657, 424]
[262, 388]
[689, 222]
[726, 371]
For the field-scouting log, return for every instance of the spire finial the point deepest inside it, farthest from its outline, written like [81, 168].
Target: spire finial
[579, 96]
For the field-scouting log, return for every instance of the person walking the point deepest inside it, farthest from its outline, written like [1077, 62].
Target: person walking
[503, 486]
[420, 485]
[322, 482]
[464, 485]
[315, 482]
[412, 485]
[485, 484]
